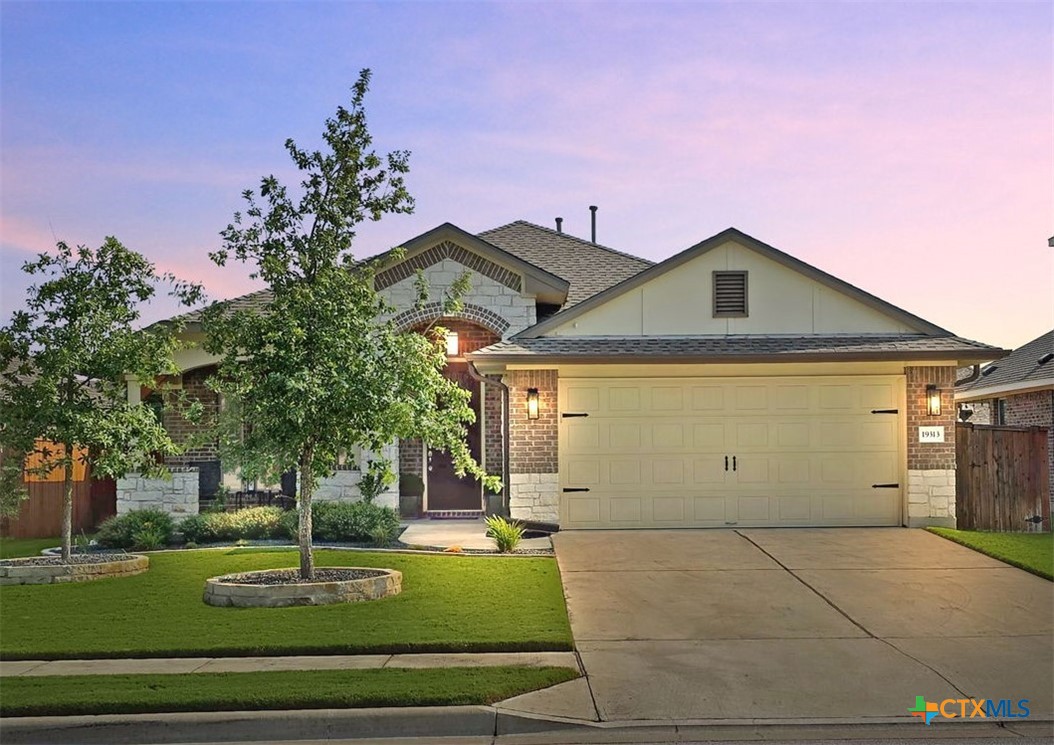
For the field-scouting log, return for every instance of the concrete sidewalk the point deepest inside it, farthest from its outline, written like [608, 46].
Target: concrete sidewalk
[442, 534]
[172, 666]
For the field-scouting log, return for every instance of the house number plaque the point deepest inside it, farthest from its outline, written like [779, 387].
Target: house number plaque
[931, 434]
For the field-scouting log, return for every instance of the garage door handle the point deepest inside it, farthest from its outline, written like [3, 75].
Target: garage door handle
[726, 462]
[570, 415]
[885, 411]
[576, 488]
[885, 486]
[733, 462]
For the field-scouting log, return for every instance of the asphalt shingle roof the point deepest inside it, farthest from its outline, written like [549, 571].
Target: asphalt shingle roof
[732, 347]
[589, 267]
[1020, 366]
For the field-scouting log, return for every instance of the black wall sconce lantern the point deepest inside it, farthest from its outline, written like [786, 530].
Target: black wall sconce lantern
[532, 403]
[933, 400]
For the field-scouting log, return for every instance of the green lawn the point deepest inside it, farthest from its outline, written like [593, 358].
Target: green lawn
[1033, 552]
[448, 603]
[11, 548]
[311, 689]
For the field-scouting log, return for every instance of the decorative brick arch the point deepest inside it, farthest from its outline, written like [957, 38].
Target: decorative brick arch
[488, 319]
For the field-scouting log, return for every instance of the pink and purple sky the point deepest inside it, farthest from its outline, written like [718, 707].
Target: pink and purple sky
[904, 147]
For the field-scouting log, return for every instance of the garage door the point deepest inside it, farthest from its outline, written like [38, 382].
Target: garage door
[718, 452]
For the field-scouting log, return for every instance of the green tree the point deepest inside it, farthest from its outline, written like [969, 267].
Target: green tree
[64, 359]
[319, 372]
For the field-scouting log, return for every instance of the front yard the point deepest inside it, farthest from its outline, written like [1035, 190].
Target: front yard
[448, 604]
[1033, 552]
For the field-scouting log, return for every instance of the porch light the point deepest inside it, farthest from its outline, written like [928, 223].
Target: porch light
[451, 344]
[532, 403]
[933, 400]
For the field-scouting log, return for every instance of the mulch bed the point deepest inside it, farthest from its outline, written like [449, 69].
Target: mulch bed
[292, 576]
[47, 561]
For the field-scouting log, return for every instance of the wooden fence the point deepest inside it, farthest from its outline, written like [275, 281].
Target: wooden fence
[1001, 477]
[40, 514]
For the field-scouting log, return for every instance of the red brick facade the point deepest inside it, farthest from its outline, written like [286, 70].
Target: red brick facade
[1034, 409]
[471, 337]
[930, 456]
[180, 429]
[532, 444]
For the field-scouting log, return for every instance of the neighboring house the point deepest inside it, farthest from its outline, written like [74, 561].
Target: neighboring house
[730, 385]
[1017, 390]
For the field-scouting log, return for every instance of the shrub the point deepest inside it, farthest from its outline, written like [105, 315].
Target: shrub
[506, 535]
[255, 523]
[354, 522]
[132, 529]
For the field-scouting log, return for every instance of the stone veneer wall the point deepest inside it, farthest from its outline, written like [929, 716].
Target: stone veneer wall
[931, 466]
[534, 483]
[343, 486]
[177, 496]
[487, 301]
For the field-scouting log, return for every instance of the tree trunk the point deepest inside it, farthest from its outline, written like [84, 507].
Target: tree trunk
[67, 505]
[307, 557]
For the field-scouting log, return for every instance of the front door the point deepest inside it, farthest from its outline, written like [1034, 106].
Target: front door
[445, 490]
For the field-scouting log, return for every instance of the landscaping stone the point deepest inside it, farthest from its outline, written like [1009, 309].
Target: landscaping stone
[277, 588]
[47, 570]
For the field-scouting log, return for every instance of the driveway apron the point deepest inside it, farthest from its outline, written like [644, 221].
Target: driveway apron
[800, 624]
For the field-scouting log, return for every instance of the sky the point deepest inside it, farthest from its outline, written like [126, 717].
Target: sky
[907, 148]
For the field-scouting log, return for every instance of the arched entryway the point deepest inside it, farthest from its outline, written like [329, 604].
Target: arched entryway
[444, 490]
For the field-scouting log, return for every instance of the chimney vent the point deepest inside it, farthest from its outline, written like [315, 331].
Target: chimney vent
[593, 221]
[559, 225]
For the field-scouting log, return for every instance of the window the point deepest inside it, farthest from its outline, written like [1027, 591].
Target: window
[1000, 411]
[730, 294]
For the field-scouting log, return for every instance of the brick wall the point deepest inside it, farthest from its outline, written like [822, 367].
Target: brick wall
[930, 456]
[931, 466]
[493, 434]
[532, 446]
[180, 429]
[1035, 409]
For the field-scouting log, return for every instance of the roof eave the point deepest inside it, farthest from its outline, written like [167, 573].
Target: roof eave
[959, 357]
[996, 391]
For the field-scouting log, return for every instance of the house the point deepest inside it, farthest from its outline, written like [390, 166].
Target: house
[729, 385]
[1017, 390]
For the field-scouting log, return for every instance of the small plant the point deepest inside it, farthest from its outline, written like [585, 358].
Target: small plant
[133, 529]
[381, 536]
[83, 543]
[241, 542]
[377, 477]
[190, 544]
[149, 538]
[506, 534]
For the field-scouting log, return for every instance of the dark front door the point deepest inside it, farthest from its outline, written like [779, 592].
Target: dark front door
[445, 490]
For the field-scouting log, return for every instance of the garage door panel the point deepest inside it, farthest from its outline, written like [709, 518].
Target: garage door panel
[807, 452]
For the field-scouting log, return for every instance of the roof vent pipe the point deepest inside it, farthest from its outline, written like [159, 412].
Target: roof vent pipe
[559, 225]
[593, 222]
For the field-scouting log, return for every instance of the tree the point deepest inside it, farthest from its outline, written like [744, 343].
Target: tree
[319, 372]
[64, 360]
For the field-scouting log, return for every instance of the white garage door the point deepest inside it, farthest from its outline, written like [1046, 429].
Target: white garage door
[718, 452]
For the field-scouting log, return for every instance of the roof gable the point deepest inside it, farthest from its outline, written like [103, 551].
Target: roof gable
[450, 241]
[785, 295]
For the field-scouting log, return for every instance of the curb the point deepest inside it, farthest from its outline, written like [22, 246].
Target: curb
[436, 722]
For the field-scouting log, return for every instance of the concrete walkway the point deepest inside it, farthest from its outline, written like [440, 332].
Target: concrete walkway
[443, 534]
[170, 666]
[764, 625]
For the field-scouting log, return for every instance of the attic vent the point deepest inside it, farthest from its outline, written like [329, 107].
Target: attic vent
[730, 294]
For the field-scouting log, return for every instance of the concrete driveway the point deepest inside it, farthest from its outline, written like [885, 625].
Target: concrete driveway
[792, 624]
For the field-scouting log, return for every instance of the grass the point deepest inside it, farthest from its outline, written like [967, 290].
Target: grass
[311, 689]
[448, 604]
[13, 548]
[1033, 552]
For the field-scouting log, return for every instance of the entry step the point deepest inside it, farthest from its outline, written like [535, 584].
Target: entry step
[454, 514]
